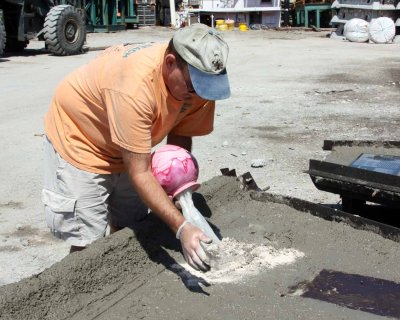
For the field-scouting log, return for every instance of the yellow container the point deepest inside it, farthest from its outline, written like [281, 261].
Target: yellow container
[243, 26]
[230, 24]
[222, 27]
[218, 22]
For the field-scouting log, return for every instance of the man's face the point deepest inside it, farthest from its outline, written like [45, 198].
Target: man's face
[178, 80]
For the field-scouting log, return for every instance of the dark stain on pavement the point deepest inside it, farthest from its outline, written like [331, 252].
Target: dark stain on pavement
[354, 291]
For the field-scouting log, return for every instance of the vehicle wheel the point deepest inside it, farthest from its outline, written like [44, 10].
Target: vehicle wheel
[65, 30]
[2, 37]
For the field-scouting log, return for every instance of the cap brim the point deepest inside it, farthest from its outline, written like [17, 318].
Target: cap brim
[210, 86]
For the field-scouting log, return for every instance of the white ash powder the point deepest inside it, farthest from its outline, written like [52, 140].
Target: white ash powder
[232, 260]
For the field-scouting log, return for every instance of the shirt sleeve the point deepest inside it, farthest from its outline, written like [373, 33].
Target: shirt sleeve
[130, 120]
[196, 121]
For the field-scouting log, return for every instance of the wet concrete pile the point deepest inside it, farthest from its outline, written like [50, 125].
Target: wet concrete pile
[76, 281]
[140, 274]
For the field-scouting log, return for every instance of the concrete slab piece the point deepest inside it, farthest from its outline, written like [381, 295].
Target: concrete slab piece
[345, 154]
[141, 274]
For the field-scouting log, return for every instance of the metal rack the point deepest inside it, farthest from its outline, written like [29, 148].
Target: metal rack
[146, 14]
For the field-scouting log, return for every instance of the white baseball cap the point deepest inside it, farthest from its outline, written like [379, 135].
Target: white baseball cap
[206, 53]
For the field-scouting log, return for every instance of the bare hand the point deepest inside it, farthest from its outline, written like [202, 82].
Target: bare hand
[193, 252]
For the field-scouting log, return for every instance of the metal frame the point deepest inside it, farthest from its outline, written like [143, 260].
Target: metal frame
[302, 13]
[355, 183]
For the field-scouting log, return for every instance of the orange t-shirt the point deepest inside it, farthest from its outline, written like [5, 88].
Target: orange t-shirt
[120, 100]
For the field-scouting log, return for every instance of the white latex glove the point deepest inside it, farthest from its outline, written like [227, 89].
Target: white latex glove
[195, 256]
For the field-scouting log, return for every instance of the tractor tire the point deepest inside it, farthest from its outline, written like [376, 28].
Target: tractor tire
[64, 30]
[2, 37]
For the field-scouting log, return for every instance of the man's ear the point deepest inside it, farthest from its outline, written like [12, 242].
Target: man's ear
[170, 61]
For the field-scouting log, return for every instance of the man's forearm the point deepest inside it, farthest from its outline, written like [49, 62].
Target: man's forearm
[150, 191]
[156, 199]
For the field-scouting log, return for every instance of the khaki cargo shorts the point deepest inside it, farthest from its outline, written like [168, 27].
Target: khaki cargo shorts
[79, 205]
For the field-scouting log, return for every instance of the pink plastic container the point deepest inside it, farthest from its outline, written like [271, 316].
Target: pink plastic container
[175, 169]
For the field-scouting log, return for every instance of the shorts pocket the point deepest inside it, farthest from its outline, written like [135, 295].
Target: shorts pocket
[57, 202]
[60, 212]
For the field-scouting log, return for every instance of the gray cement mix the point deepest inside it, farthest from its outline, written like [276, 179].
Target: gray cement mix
[140, 274]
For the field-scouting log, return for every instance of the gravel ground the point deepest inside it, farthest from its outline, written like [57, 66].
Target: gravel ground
[290, 91]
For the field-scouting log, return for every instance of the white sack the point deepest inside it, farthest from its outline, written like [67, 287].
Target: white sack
[356, 30]
[382, 30]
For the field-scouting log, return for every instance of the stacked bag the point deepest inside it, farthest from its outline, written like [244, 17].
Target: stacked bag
[380, 30]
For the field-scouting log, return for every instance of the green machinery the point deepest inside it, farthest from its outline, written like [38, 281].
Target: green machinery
[303, 12]
[62, 24]
[110, 15]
